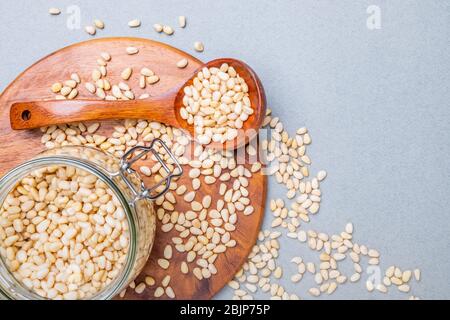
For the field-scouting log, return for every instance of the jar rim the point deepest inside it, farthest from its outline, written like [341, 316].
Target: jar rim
[23, 169]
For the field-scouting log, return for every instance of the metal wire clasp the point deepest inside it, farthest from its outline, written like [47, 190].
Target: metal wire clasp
[126, 169]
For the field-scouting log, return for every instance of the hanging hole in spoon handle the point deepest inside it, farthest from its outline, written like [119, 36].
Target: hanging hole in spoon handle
[21, 117]
[26, 115]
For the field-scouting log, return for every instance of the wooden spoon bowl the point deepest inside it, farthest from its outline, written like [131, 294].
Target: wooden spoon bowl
[164, 108]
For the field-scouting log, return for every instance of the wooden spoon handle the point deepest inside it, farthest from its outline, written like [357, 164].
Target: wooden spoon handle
[36, 114]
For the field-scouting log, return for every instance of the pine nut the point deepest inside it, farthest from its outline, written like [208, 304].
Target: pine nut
[99, 24]
[417, 274]
[126, 73]
[170, 293]
[65, 91]
[145, 170]
[165, 281]
[168, 30]
[54, 11]
[182, 63]
[140, 288]
[158, 27]
[198, 46]
[134, 23]
[150, 281]
[370, 286]
[90, 30]
[147, 72]
[73, 93]
[182, 21]
[159, 292]
[132, 50]
[163, 263]
[404, 288]
[105, 56]
[152, 79]
[168, 252]
[56, 87]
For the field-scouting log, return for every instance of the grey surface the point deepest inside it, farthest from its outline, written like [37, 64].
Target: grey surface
[376, 103]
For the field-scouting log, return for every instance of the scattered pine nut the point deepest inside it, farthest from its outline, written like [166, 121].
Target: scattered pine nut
[165, 281]
[140, 288]
[163, 263]
[278, 272]
[126, 73]
[168, 252]
[150, 281]
[321, 175]
[70, 83]
[159, 292]
[132, 50]
[417, 274]
[93, 128]
[99, 24]
[142, 82]
[105, 56]
[198, 46]
[135, 23]
[370, 286]
[101, 62]
[170, 293]
[54, 11]
[182, 63]
[404, 288]
[147, 72]
[65, 90]
[168, 30]
[182, 21]
[73, 93]
[184, 268]
[90, 30]
[152, 79]
[314, 292]
[90, 87]
[56, 87]
[75, 77]
[158, 27]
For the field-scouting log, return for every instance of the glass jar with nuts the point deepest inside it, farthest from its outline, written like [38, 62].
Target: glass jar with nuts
[77, 223]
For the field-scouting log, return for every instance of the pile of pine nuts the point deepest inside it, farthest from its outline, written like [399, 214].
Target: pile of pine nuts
[67, 89]
[216, 104]
[63, 233]
[205, 231]
[286, 160]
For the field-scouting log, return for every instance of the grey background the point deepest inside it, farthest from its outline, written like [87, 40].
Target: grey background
[376, 103]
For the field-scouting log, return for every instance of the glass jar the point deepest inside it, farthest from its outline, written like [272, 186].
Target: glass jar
[125, 183]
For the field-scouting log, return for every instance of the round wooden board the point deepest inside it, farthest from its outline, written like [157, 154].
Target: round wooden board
[19, 146]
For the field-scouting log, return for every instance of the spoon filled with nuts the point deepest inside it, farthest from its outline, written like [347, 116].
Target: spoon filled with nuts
[222, 106]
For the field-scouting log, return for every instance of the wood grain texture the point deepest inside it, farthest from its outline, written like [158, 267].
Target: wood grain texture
[19, 146]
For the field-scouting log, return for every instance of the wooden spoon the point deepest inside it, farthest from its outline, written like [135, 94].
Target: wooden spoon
[164, 108]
